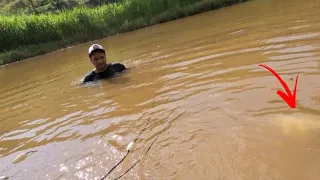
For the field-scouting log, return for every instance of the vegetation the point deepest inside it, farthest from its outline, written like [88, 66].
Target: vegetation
[25, 36]
[9, 7]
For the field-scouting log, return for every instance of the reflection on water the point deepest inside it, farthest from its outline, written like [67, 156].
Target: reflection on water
[198, 75]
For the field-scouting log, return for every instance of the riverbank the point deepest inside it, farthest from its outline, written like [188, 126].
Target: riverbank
[52, 32]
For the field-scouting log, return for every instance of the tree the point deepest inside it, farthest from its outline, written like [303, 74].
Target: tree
[32, 6]
[61, 5]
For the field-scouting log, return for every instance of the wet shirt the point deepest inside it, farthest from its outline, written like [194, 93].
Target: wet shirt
[111, 70]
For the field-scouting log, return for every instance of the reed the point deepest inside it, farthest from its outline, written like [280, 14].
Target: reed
[25, 36]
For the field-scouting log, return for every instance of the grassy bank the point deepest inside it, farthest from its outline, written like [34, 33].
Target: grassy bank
[26, 36]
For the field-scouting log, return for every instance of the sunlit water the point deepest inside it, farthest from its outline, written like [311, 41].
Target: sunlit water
[199, 76]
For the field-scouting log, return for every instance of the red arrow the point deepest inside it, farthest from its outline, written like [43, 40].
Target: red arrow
[289, 98]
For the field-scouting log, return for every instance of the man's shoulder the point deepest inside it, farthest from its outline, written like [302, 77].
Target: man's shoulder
[120, 67]
[89, 77]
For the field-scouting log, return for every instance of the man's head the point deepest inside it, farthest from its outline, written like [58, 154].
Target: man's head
[97, 56]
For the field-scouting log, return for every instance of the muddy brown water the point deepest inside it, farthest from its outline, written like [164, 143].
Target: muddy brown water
[198, 75]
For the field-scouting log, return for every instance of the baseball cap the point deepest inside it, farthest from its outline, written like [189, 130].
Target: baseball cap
[95, 47]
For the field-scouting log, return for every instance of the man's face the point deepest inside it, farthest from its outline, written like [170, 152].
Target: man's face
[98, 59]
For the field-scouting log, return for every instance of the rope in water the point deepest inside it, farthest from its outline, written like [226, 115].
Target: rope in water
[144, 154]
[115, 165]
[128, 150]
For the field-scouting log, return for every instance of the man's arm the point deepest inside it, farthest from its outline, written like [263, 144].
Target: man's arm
[120, 67]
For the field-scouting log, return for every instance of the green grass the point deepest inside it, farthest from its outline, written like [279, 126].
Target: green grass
[25, 36]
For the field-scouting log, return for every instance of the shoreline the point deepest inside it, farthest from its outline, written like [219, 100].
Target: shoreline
[29, 51]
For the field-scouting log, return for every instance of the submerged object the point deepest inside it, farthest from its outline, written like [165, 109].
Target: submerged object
[130, 146]
[3, 177]
[20, 158]
[299, 125]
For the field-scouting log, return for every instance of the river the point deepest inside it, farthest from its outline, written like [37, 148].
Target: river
[197, 77]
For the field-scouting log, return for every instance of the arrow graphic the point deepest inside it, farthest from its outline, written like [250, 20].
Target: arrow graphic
[289, 98]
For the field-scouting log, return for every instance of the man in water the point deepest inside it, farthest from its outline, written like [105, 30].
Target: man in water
[102, 69]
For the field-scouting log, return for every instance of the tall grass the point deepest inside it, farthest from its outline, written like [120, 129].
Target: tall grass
[53, 31]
